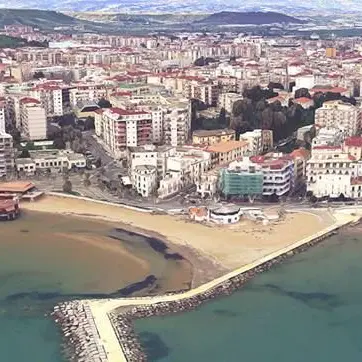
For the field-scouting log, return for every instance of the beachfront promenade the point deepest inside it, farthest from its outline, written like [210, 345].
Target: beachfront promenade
[102, 308]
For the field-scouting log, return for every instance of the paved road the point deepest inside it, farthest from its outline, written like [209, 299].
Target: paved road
[96, 148]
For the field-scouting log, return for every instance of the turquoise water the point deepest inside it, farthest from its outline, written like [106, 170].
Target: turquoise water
[307, 309]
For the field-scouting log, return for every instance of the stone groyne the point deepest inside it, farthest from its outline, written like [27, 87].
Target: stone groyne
[123, 321]
[82, 340]
[114, 317]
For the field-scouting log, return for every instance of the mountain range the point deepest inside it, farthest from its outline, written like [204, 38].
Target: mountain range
[254, 17]
[187, 6]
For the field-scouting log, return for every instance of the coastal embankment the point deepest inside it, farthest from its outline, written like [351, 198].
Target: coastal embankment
[113, 318]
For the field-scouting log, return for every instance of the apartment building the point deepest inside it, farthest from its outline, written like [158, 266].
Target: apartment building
[177, 125]
[207, 185]
[50, 97]
[151, 155]
[242, 179]
[33, 119]
[336, 114]
[258, 141]
[119, 128]
[328, 136]
[226, 152]
[329, 171]
[6, 154]
[278, 173]
[206, 92]
[300, 157]
[85, 93]
[227, 100]
[210, 137]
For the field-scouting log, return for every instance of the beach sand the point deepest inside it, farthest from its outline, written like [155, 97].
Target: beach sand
[225, 247]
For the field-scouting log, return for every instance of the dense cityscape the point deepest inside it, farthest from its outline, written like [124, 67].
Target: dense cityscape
[203, 113]
[187, 162]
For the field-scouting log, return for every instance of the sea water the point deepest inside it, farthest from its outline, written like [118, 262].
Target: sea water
[306, 309]
[42, 262]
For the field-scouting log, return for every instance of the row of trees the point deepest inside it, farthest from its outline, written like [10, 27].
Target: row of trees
[69, 135]
[253, 112]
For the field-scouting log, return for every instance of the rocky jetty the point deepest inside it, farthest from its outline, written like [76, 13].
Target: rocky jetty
[82, 339]
[123, 321]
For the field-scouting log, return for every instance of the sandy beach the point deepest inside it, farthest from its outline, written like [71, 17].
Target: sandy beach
[226, 247]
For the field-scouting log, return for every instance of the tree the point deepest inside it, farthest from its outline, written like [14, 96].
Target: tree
[222, 118]
[67, 186]
[86, 181]
[98, 162]
[38, 75]
[25, 153]
[274, 85]
[202, 61]
[302, 92]
[104, 103]
[89, 124]
[59, 143]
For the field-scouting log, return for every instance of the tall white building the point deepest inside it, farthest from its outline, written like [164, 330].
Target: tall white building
[336, 114]
[157, 124]
[6, 154]
[278, 173]
[119, 128]
[51, 98]
[177, 125]
[33, 119]
[2, 117]
[329, 171]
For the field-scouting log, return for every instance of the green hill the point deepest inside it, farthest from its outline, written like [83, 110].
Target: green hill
[11, 42]
[42, 19]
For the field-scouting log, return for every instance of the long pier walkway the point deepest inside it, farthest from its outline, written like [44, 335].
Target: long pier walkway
[102, 308]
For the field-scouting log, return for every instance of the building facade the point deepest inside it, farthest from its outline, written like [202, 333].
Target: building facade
[119, 128]
[33, 119]
[336, 114]
[205, 137]
[6, 154]
[242, 179]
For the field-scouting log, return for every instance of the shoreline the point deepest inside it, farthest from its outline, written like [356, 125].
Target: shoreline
[203, 267]
[113, 318]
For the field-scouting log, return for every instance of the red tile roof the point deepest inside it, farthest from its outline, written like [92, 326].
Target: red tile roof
[28, 100]
[303, 100]
[300, 152]
[356, 180]
[353, 141]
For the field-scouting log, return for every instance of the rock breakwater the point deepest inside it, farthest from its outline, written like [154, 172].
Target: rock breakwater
[80, 332]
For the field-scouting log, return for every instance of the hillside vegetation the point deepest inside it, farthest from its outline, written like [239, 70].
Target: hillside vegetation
[257, 18]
